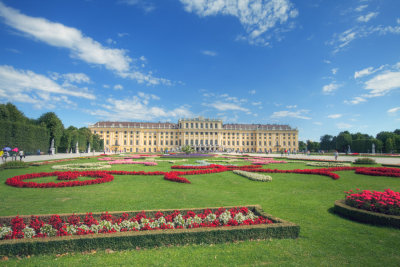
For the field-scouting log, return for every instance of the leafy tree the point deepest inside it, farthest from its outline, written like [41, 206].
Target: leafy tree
[326, 142]
[389, 145]
[312, 146]
[54, 125]
[343, 140]
[187, 149]
[302, 146]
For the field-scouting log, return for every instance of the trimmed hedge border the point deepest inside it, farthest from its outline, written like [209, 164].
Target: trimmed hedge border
[391, 165]
[366, 216]
[147, 239]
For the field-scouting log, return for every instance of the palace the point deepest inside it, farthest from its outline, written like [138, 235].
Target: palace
[200, 133]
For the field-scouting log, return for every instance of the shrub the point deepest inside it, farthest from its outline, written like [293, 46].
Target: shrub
[14, 165]
[367, 161]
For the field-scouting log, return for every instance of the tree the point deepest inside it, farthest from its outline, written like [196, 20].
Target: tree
[326, 142]
[389, 145]
[187, 149]
[343, 140]
[302, 146]
[54, 125]
[312, 146]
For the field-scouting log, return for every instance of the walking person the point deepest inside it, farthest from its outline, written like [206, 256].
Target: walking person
[21, 155]
[336, 154]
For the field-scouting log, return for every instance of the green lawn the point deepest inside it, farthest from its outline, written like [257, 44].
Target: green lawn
[325, 238]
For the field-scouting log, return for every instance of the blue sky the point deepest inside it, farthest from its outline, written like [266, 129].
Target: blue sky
[320, 66]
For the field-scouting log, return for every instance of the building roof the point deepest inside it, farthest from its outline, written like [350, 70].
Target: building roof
[146, 125]
[168, 125]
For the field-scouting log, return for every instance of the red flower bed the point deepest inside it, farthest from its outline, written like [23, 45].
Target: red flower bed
[373, 171]
[387, 202]
[107, 223]
[176, 176]
[100, 177]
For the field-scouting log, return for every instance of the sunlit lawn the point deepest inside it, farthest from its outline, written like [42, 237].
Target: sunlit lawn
[325, 238]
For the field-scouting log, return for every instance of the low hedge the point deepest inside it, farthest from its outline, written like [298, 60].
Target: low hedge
[14, 165]
[366, 216]
[366, 161]
[147, 239]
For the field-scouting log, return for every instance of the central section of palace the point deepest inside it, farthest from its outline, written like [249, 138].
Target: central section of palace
[202, 134]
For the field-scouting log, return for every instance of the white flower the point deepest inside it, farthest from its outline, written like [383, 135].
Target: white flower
[225, 217]
[254, 176]
[48, 229]
[4, 231]
[211, 217]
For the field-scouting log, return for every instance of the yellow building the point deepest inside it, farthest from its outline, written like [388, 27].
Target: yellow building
[200, 133]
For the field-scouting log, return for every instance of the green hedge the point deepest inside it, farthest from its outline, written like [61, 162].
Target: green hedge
[28, 137]
[146, 239]
[367, 161]
[366, 216]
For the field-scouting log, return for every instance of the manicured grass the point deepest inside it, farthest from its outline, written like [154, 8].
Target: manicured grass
[325, 238]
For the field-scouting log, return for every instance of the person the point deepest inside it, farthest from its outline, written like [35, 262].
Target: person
[6, 155]
[21, 155]
[336, 154]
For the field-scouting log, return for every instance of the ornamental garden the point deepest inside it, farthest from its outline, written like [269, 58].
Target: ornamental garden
[206, 209]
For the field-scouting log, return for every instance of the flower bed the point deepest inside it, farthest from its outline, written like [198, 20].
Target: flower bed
[379, 171]
[82, 166]
[328, 164]
[254, 176]
[49, 162]
[100, 177]
[182, 155]
[387, 202]
[145, 163]
[366, 216]
[76, 232]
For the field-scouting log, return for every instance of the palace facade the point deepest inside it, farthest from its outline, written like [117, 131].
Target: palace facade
[200, 133]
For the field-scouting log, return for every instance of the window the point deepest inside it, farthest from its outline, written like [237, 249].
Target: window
[186, 142]
[187, 125]
[197, 125]
[166, 142]
[131, 143]
[201, 125]
[191, 125]
[237, 143]
[270, 143]
[155, 143]
[144, 142]
[124, 142]
[137, 143]
[229, 143]
[162, 142]
[108, 142]
[216, 126]
[125, 132]
[191, 142]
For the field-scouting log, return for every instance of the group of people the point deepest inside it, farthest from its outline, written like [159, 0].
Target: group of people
[5, 154]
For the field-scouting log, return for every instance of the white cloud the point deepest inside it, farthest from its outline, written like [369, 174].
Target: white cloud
[209, 53]
[335, 116]
[118, 87]
[360, 8]
[356, 100]
[29, 87]
[223, 106]
[363, 72]
[317, 123]
[256, 103]
[292, 106]
[138, 108]
[343, 125]
[367, 17]
[330, 88]
[327, 61]
[393, 110]
[257, 17]
[252, 92]
[71, 77]
[293, 114]
[334, 70]
[342, 40]
[398, 20]
[146, 5]
[80, 46]
[383, 83]
[110, 41]
[123, 34]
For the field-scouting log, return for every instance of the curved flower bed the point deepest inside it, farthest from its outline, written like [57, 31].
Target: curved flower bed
[49, 162]
[387, 202]
[100, 177]
[81, 166]
[177, 176]
[254, 176]
[56, 226]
